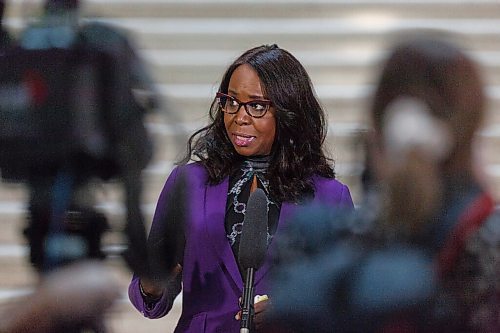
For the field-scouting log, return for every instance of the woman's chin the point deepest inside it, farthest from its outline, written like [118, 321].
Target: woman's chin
[244, 152]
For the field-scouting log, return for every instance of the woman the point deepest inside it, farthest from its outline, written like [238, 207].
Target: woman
[424, 254]
[434, 83]
[267, 131]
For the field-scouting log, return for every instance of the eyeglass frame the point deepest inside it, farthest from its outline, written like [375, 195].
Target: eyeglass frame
[266, 102]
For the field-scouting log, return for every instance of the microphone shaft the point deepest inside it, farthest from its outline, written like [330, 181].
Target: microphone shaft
[247, 310]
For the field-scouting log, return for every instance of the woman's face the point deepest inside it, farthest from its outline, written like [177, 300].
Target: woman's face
[250, 136]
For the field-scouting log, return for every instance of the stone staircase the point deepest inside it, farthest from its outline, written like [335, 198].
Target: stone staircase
[187, 45]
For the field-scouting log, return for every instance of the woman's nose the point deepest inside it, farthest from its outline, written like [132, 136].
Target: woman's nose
[242, 117]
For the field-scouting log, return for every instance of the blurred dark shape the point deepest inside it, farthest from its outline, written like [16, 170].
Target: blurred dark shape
[331, 278]
[421, 252]
[55, 5]
[80, 237]
[67, 301]
[5, 38]
[435, 197]
[69, 114]
[166, 246]
[55, 113]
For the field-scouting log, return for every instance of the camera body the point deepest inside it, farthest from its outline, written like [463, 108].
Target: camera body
[68, 115]
[53, 113]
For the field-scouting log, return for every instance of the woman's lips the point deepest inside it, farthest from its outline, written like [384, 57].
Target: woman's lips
[243, 140]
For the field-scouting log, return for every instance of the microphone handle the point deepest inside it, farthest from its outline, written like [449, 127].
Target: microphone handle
[247, 310]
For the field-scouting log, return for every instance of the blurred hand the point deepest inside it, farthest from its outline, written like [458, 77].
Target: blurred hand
[80, 292]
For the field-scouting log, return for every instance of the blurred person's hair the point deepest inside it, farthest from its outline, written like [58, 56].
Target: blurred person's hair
[56, 5]
[438, 74]
[297, 152]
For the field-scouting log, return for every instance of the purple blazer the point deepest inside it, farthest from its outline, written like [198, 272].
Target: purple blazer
[211, 281]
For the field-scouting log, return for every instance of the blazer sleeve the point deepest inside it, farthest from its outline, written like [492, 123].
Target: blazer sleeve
[345, 197]
[332, 193]
[161, 307]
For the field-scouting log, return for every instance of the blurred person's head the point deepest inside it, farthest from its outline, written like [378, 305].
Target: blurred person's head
[61, 5]
[428, 104]
[280, 118]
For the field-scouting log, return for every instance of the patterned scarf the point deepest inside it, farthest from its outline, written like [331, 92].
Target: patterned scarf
[240, 183]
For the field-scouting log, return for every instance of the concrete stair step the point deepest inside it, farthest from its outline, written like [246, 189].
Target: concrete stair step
[188, 105]
[214, 31]
[320, 42]
[342, 67]
[280, 8]
[218, 29]
[357, 9]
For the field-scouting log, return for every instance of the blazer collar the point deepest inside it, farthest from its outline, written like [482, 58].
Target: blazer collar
[216, 197]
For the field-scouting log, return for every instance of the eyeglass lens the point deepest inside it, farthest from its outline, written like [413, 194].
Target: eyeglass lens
[231, 105]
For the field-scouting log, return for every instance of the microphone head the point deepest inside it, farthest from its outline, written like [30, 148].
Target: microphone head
[253, 242]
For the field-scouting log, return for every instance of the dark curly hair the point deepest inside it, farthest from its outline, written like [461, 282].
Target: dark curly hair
[297, 153]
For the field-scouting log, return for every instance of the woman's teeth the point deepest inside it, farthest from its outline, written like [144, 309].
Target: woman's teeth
[243, 140]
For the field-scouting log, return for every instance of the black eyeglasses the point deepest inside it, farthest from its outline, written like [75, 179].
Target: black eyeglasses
[230, 105]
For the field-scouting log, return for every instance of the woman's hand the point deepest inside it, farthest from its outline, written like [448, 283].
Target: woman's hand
[155, 290]
[261, 305]
[150, 289]
[261, 308]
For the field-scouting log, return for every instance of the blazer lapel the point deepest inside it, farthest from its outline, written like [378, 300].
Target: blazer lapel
[216, 197]
[285, 212]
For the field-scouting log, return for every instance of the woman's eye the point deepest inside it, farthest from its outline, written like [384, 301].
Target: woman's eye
[257, 106]
[233, 102]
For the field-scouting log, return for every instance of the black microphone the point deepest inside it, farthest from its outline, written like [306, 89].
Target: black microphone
[252, 251]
